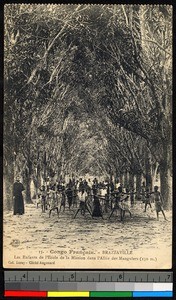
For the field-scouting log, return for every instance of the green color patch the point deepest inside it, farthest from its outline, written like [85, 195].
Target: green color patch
[111, 294]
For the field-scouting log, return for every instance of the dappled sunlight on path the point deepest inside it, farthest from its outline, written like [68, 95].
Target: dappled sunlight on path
[35, 230]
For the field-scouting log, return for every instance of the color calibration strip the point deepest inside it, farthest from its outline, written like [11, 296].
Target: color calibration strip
[57, 284]
[88, 294]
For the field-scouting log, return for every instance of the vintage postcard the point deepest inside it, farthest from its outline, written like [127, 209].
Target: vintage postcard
[87, 136]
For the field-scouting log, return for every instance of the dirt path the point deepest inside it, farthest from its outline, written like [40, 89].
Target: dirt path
[35, 230]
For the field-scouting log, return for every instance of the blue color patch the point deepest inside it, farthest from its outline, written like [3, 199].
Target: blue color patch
[153, 294]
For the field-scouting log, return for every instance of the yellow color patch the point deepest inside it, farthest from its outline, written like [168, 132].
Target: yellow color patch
[68, 294]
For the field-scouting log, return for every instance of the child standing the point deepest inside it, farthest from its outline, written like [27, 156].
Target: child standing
[63, 200]
[124, 205]
[147, 196]
[53, 203]
[158, 203]
[69, 194]
[82, 197]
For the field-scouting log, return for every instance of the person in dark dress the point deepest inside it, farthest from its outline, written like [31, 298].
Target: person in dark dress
[112, 187]
[18, 197]
[94, 189]
[97, 210]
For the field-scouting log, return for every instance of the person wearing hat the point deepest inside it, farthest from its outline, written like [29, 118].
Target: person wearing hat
[18, 197]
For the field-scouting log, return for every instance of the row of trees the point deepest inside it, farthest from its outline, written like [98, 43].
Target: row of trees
[87, 90]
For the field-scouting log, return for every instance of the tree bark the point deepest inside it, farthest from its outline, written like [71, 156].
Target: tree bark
[126, 178]
[138, 185]
[37, 181]
[131, 180]
[166, 186]
[148, 172]
[8, 181]
[121, 178]
[34, 196]
[27, 183]
[166, 178]
[117, 175]
[28, 189]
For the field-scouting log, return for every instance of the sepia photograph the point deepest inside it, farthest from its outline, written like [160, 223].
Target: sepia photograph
[87, 165]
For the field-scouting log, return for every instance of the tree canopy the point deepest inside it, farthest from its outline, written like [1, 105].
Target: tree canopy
[87, 89]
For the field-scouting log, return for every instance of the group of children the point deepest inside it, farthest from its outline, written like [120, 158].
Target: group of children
[49, 199]
[96, 198]
[156, 199]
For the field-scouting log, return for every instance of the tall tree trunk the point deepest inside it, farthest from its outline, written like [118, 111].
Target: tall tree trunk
[45, 167]
[166, 178]
[9, 151]
[35, 189]
[149, 183]
[37, 181]
[138, 185]
[131, 180]
[8, 180]
[148, 172]
[154, 173]
[28, 189]
[131, 187]
[116, 174]
[126, 178]
[121, 178]
[166, 186]
[27, 182]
